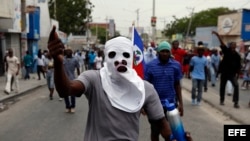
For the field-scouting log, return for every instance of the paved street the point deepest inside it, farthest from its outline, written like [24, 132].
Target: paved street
[212, 98]
[36, 118]
[30, 115]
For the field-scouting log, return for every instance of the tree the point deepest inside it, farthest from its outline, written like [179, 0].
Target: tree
[101, 34]
[72, 15]
[201, 19]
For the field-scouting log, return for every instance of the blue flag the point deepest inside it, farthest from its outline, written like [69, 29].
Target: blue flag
[138, 64]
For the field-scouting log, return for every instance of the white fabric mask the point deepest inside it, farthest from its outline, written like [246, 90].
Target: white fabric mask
[124, 88]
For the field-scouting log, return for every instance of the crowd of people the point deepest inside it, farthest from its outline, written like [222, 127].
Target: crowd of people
[205, 66]
[109, 82]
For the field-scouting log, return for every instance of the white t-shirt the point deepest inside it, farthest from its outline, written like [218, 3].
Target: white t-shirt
[12, 64]
[40, 61]
[98, 61]
[106, 122]
[248, 62]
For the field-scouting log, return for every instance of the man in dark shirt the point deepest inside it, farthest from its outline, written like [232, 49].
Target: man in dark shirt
[229, 69]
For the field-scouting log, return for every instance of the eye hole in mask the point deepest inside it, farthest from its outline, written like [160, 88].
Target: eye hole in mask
[112, 54]
[126, 55]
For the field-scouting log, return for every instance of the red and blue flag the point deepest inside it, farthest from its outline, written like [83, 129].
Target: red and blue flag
[138, 64]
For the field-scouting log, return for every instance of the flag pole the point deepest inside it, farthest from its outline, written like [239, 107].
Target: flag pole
[133, 32]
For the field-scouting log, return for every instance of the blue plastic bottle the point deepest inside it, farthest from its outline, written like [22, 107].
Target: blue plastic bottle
[175, 122]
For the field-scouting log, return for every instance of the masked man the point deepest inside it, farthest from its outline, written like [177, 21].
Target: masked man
[115, 93]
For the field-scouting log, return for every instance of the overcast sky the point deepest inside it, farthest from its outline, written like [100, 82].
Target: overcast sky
[124, 11]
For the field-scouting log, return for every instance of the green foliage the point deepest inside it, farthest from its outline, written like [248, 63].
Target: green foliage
[203, 18]
[101, 34]
[71, 15]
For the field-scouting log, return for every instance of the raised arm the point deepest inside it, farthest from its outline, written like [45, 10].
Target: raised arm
[218, 36]
[63, 85]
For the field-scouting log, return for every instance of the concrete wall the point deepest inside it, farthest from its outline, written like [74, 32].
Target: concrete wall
[43, 42]
[13, 41]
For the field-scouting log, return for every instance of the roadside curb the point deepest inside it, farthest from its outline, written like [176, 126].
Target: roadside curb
[227, 111]
[22, 93]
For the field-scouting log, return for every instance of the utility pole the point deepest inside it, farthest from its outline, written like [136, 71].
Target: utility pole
[23, 40]
[153, 27]
[137, 13]
[106, 33]
[55, 9]
[87, 24]
[190, 22]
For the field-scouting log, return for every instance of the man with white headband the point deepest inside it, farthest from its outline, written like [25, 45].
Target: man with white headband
[116, 94]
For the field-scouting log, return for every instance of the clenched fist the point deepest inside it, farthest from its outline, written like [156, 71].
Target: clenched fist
[55, 45]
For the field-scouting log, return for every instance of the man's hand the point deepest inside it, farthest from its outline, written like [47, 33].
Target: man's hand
[214, 32]
[143, 112]
[55, 45]
[180, 108]
[188, 137]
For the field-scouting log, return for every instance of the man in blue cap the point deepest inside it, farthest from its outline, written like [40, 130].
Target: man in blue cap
[198, 70]
[165, 74]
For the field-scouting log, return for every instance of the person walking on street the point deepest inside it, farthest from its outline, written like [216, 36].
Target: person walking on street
[215, 62]
[27, 60]
[200, 44]
[198, 68]
[115, 93]
[12, 69]
[98, 60]
[230, 70]
[178, 53]
[40, 64]
[246, 69]
[86, 60]
[186, 62]
[149, 55]
[5, 68]
[83, 62]
[78, 56]
[91, 62]
[164, 73]
[70, 66]
[49, 65]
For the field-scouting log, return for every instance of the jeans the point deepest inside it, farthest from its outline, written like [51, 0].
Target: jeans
[27, 72]
[70, 101]
[197, 84]
[207, 75]
[223, 82]
[213, 75]
[91, 66]
[40, 70]
[50, 81]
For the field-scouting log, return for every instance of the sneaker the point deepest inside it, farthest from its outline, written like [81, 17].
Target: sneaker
[198, 103]
[60, 99]
[236, 106]
[205, 89]
[243, 88]
[222, 103]
[193, 102]
[213, 85]
[72, 110]
[6, 92]
[51, 97]
[229, 94]
[67, 111]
